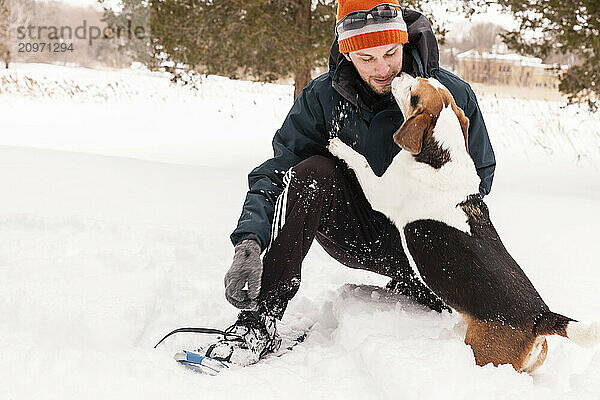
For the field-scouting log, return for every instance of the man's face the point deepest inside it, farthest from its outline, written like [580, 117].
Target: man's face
[378, 66]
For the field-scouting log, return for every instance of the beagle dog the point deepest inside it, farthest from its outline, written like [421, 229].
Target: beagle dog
[431, 193]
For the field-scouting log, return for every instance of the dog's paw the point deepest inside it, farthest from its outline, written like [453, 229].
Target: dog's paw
[338, 148]
[333, 145]
[346, 153]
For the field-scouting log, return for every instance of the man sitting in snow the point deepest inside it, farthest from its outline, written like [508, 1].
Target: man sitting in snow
[303, 192]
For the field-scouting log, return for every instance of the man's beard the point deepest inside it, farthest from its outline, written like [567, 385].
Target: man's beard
[382, 89]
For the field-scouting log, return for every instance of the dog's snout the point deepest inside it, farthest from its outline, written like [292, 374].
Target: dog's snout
[400, 89]
[402, 82]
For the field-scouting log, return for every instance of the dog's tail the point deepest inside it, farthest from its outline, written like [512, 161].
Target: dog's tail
[585, 335]
[582, 334]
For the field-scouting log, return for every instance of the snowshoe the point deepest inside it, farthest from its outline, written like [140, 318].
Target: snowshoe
[250, 338]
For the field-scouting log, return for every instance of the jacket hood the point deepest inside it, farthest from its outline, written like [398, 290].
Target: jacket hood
[420, 57]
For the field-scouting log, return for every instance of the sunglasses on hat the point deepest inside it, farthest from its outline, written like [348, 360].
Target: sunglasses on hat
[358, 19]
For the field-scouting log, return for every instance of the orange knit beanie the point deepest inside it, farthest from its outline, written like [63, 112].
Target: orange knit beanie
[375, 31]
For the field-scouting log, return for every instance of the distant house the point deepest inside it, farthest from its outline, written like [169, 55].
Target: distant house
[506, 69]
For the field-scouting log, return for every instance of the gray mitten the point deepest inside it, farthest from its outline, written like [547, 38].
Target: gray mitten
[246, 268]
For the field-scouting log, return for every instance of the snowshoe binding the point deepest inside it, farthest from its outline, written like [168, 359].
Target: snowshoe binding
[250, 338]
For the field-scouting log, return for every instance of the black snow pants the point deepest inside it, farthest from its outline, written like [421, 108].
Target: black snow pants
[323, 199]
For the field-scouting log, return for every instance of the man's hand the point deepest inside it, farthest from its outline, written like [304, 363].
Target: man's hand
[246, 268]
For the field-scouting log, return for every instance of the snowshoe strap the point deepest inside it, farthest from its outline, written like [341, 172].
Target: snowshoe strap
[198, 330]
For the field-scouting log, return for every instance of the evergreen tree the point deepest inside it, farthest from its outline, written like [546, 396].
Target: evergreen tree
[549, 27]
[258, 39]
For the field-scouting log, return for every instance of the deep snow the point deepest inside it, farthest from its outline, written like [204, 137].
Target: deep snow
[103, 252]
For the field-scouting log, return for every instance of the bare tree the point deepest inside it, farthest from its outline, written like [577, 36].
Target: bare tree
[64, 19]
[13, 13]
[4, 32]
[483, 36]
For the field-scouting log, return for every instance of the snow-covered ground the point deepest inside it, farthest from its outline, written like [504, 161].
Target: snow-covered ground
[118, 201]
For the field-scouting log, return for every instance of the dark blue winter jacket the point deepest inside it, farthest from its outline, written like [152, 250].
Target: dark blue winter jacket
[339, 103]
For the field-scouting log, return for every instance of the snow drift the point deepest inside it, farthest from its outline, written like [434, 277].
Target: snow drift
[115, 218]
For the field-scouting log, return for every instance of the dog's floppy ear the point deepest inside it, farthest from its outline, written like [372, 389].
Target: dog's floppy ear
[410, 135]
[464, 123]
[462, 118]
